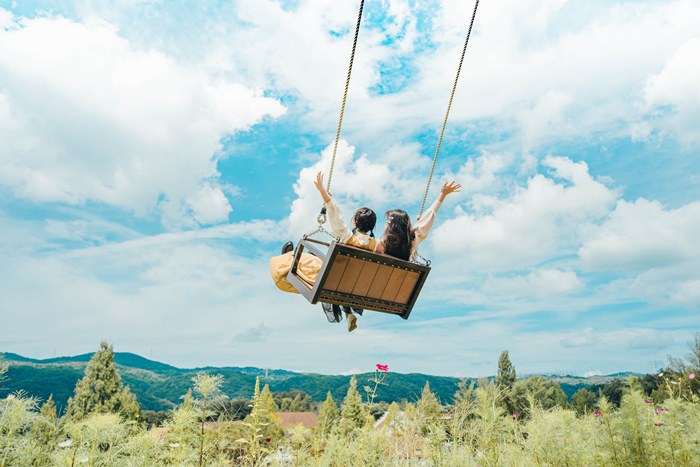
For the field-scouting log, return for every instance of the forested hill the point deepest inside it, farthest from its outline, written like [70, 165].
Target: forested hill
[159, 386]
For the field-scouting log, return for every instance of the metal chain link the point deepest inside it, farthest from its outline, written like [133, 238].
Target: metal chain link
[449, 106]
[345, 95]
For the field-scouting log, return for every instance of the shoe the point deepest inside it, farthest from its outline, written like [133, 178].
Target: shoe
[352, 322]
[287, 247]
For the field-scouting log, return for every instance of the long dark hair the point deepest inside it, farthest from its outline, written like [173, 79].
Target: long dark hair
[398, 235]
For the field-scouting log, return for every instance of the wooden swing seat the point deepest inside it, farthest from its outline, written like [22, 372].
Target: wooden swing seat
[359, 278]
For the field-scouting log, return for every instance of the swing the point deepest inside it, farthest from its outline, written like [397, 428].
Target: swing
[360, 278]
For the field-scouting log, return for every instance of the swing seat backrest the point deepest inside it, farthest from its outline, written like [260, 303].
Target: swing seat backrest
[359, 278]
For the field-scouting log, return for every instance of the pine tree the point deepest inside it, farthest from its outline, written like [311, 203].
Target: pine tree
[353, 412]
[506, 372]
[428, 407]
[267, 402]
[264, 423]
[328, 416]
[505, 379]
[101, 390]
[428, 403]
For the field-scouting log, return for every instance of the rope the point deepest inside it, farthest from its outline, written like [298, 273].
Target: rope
[345, 95]
[449, 106]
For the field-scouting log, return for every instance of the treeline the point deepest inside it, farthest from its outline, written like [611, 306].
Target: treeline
[159, 387]
[500, 421]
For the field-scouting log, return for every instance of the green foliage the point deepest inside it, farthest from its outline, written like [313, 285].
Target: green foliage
[101, 390]
[208, 388]
[293, 401]
[613, 392]
[506, 372]
[328, 416]
[263, 430]
[428, 407]
[159, 387]
[538, 391]
[584, 401]
[354, 414]
[478, 432]
[237, 409]
[17, 416]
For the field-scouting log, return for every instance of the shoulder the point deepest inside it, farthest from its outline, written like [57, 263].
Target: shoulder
[379, 246]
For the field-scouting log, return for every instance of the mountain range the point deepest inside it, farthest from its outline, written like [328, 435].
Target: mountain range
[159, 386]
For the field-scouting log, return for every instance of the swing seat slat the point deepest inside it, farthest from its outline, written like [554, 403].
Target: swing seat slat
[359, 278]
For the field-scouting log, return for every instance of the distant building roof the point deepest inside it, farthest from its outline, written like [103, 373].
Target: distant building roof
[308, 419]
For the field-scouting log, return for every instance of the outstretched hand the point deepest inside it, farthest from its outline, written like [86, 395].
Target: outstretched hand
[321, 189]
[447, 188]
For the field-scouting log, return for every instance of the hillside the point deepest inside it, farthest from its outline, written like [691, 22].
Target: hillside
[159, 386]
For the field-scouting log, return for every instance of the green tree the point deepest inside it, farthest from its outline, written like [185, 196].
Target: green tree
[428, 408]
[613, 391]
[267, 402]
[428, 405]
[262, 420]
[538, 390]
[101, 390]
[328, 416]
[584, 401]
[506, 372]
[353, 412]
[293, 401]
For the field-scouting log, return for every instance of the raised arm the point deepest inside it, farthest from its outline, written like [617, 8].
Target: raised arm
[423, 225]
[335, 217]
[321, 189]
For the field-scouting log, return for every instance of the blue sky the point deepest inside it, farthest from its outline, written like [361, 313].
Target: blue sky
[154, 155]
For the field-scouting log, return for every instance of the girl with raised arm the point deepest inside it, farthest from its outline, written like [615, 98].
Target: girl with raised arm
[360, 235]
[400, 239]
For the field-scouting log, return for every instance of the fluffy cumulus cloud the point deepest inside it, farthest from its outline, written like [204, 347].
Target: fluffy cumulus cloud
[673, 96]
[655, 247]
[545, 218]
[87, 116]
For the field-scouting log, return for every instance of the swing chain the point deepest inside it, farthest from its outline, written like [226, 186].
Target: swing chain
[417, 256]
[345, 95]
[321, 219]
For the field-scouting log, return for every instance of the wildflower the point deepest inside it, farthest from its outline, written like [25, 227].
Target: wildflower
[691, 376]
[84, 460]
[65, 444]
[10, 397]
[648, 401]
[268, 439]
[174, 445]
[597, 413]
[661, 374]
[659, 423]
[516, 414]
[659, 410]
[381, 367]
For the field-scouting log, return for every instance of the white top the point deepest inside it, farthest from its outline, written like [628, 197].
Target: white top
[423, 225]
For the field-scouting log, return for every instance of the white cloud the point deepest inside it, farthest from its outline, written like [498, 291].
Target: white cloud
[641, 235]
[545, 219]
[677, 86]
[6, 18]
[540, 283]
[90, 117]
